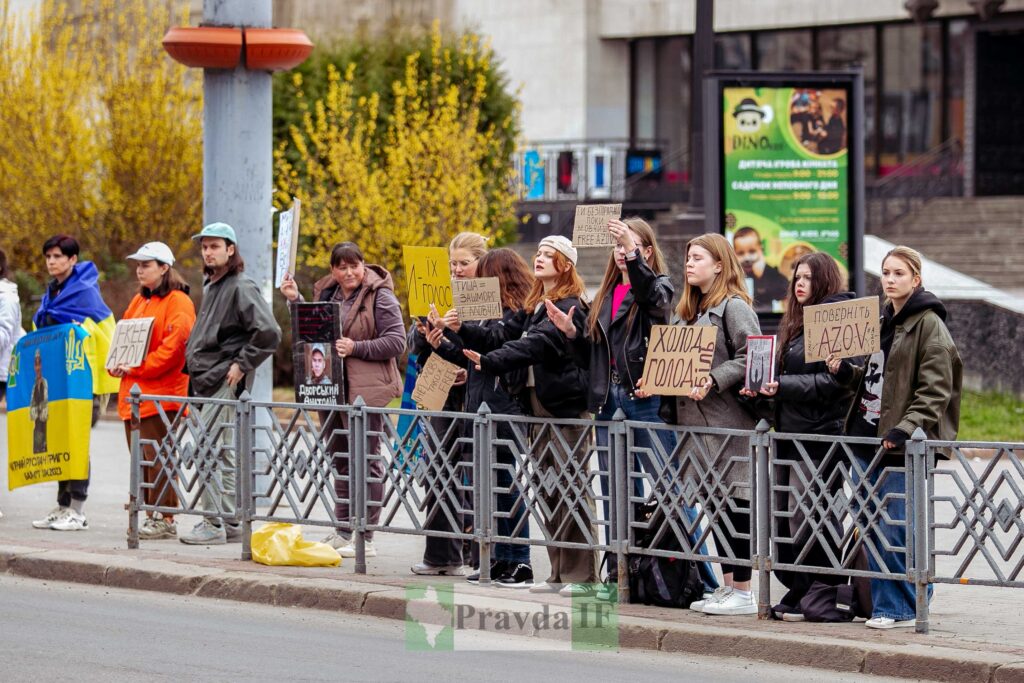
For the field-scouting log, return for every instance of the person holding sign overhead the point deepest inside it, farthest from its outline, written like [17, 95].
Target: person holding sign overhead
[913, 382]
[447, 556]
[714, 293]
[557, 386]
[372, 338]
[635, 294]
[162, 297]
[807, 399]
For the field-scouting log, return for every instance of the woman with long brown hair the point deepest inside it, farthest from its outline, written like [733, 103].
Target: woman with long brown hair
[807, 399]
[557, 387]
[504, 395]
[715, 293]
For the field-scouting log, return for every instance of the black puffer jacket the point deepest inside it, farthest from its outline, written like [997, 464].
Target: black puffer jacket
[561, 384]
[810, 400]
[627, 334]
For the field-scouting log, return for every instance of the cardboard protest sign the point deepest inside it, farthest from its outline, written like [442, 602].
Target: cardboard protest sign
[477, 298]
[678, 358]
[845, 328]
[130, 343]
[429, 279]
[590, 228]
[319, 372]
[49, 407]
[434, 382]
[287, 241]
[760, 361]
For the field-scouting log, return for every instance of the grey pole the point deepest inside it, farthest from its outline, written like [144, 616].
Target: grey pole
[703, 61]
[237, 154]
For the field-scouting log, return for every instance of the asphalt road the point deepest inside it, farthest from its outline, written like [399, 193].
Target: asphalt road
[57, 631]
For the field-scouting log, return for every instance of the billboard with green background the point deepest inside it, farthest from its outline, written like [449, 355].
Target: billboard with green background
[786, 181]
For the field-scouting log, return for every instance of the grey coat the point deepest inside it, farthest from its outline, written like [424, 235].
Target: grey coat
[721, 407]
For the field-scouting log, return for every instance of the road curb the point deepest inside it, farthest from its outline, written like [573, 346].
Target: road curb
[930, 662]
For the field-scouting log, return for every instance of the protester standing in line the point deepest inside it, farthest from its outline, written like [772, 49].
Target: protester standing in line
[504, 395]
[635, 294]
[915, 383]
[10, 323]
[163, 296]
[557, 388]
[807, 399]
[73, 296]
[714, 293]
[372, 338]
[447, 556]
[234, 333]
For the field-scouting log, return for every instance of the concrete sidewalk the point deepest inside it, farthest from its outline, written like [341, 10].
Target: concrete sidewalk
[977, 633]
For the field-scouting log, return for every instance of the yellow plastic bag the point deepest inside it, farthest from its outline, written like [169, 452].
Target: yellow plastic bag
[279, 544]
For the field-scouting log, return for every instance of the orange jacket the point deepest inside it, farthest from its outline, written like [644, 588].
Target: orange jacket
[161, 371]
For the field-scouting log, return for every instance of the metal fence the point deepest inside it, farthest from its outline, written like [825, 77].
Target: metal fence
[834, 506]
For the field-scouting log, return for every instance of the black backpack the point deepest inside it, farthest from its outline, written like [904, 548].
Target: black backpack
[662, 581]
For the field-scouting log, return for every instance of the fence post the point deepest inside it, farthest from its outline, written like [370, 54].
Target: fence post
[761, 490]
[483, 488]
[917, 488]
[244, 458]
[357, 480]
[133, 475]
[618, 461]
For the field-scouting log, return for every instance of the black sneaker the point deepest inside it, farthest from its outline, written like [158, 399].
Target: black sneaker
[520, 576]
[498, 568]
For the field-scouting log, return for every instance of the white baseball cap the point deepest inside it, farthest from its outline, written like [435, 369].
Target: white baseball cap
[153, 251]
[561, 244]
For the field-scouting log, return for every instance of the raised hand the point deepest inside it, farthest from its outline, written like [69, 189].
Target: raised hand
[289, 288]
[473, 356]
[451, 320]
[562, 321]
[620, 231]
[434, 337]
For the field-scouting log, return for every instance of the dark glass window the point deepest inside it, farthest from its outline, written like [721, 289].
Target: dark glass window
[784, 51]
[844, 48]
[912, 104]
[732, 51]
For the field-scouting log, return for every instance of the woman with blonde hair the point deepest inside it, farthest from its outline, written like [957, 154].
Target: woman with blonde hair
[447, 556]
[557, 388]
[714, 293]
[913, 382]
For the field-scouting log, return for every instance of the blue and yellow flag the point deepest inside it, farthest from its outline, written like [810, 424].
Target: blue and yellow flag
[80, 301]
[49, 407]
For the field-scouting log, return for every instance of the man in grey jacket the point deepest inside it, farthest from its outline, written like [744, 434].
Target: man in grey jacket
[235, 331]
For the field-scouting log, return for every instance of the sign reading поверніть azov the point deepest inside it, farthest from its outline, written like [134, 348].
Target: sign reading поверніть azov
[786, 186]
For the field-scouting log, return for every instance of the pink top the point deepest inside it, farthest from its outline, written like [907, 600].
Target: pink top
[618, 296]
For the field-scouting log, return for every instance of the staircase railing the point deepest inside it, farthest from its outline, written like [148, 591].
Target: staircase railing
[937, 173]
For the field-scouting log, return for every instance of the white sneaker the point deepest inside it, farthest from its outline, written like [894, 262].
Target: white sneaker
[575, 590]
[70, 520]
[721, 593]
[349, 550]
[50, 518]
[545, 587]
[733, 604]
[886, 623]
[335, 541]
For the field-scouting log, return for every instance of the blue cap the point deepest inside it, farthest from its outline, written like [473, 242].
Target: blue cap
[222, 230]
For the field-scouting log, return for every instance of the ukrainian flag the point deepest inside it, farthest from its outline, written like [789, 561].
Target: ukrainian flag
[49, 407]
[80, 302]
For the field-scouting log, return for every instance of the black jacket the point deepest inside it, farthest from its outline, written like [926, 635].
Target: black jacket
[810, 400]
[649, 302]
[503, 394]
[561, 384]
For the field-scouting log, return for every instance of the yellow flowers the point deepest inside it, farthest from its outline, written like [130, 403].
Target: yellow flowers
[427, 175]
[100, 131]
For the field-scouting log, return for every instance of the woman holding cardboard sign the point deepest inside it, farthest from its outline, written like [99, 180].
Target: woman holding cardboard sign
[447, 556]
[163, 296]
[807, 399]
[912, 383]
[557, 387]
[715, 294]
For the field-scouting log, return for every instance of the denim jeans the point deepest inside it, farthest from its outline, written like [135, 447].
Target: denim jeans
[648, 460]
[893, 599]
[512, 503]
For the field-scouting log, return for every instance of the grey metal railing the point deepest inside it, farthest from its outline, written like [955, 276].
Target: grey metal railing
[818, 504]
